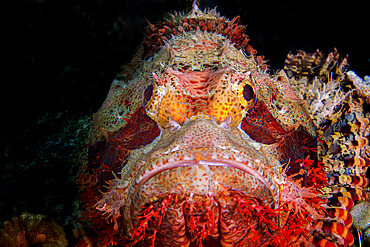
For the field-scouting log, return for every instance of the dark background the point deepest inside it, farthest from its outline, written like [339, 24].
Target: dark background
[62, 55]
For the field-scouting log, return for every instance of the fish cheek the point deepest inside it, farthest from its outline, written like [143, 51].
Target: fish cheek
[292, 145]
[111, 154]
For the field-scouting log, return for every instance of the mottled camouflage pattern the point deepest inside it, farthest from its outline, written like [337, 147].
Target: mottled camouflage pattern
[198, 145]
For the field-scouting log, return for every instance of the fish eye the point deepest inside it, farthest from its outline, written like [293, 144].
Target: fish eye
[147, 94]
[248, 92]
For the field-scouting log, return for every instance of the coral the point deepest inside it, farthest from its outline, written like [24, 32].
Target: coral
[32, 230]
[361, 215]
[336, 103]
[362, 86]
[322, 97]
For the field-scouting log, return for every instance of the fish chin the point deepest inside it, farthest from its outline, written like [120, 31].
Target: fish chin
[203, 200]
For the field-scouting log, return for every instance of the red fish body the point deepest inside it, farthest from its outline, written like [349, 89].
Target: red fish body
[198, 145]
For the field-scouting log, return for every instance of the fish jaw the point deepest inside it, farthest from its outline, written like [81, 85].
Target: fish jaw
[198, 165]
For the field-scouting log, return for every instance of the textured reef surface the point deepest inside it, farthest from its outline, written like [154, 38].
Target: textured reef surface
[199, 144]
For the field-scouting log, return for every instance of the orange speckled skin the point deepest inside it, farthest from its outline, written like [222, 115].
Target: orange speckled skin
[197, 145]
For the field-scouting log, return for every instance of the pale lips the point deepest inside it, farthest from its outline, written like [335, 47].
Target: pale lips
[203, 177]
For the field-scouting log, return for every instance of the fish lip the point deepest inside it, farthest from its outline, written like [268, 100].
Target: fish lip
[147, 171]
[230, 164]
[257, 171]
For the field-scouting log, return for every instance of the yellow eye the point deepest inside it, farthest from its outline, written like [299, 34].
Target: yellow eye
[247, 93]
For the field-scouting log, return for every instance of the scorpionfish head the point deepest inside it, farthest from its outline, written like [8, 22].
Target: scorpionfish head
[191, 145]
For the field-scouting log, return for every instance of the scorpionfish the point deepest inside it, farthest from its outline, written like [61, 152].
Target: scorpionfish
[197, 144]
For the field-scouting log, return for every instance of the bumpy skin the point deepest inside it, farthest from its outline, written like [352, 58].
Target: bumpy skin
[32, 230]
[197, 145]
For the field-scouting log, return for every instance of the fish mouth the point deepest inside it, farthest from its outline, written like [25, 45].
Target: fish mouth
[207, 181]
